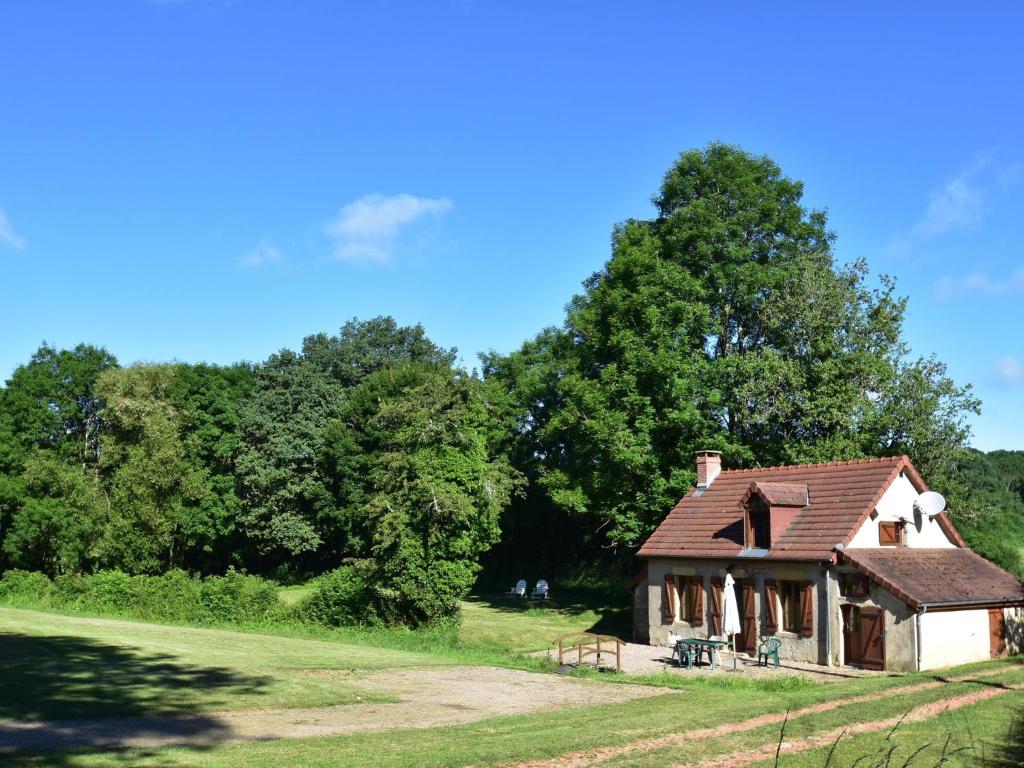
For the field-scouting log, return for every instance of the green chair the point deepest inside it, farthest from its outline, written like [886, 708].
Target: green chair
[769, 649]
[687, 651]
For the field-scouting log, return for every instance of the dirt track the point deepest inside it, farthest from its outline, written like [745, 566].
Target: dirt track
[590, 757]
[429, 697]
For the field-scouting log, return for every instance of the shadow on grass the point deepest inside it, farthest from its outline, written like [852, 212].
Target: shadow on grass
[62, 692]
[1011, 753]
[989, 683]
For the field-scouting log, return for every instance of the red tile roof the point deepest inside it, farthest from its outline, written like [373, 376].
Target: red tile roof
[841, 495]
[782, 494]
[937, 577]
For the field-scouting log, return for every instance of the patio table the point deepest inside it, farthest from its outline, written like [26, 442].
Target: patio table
[700, 645]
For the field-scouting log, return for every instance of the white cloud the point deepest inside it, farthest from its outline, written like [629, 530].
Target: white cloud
[959, 203]
[8, 236]
[951, 286]
[1010, 371]
[368, 229]
[264, 253]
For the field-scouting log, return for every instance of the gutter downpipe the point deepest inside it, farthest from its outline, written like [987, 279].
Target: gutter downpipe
[917, 626]
[829, 617]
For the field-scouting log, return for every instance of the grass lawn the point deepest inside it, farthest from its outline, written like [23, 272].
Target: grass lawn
[73, 666]
[529, 625]
[70, 666]
[501, 741]
[521, 626]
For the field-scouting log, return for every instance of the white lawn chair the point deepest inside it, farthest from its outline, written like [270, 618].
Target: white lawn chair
[541, 590]
[519, 590]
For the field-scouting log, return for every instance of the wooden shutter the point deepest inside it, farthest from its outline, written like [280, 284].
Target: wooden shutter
[669, 600]
[888, 535]
[807, 609]
[697, 617]
[771, 608]
[716, 607]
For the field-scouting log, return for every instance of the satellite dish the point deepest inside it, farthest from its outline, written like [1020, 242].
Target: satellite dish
[930, 503]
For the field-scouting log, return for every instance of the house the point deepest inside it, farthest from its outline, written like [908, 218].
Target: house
[837, 560]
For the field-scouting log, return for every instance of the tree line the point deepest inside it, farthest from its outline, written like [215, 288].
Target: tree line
[723, 322]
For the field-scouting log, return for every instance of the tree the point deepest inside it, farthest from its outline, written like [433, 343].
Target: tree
[51, 423]
[288, 507]
[154, 484]
[284, 495]
[365, 346]
[994, 523]
[52, 402]
[417, 451]
[207, 399]
[58, 523]
[722, 323]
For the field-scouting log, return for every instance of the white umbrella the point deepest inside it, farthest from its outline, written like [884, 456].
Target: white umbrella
[732, 613]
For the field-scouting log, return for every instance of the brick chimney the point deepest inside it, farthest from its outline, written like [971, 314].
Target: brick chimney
[709, 464]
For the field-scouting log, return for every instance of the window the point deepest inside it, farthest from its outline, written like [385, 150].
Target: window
[683, 600]
[791, 604]
[892, 534]
[789, 596]
[759, 524]
[691, 596]
[853, 585]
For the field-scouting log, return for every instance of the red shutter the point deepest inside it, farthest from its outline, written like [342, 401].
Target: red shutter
[669, 600]
[771, 608]
[698, 602]
[807, 609]
[716, 607]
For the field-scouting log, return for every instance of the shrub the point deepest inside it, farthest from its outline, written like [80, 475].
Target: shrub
[339, 598]
[25, 587]
[237, 597]
[173, 596]
[106, 592]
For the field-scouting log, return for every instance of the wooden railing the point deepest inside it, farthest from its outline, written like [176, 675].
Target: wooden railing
[583, 644]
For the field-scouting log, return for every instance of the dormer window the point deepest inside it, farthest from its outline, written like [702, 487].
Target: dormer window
[759, 524]
[768, 509]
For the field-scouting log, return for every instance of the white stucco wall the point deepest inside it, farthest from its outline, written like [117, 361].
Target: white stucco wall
[897, 503]
[954, 637]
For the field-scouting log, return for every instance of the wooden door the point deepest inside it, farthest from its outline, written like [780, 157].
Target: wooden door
[864, 637]
[996, 632]
[872, 638]
[746, 640]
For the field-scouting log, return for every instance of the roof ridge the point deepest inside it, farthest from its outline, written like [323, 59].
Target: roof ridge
[846, 462]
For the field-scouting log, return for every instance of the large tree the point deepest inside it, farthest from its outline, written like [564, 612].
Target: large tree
[288, 507]
[723, 322]
[421, 482]
[155, 484]
[51, 423]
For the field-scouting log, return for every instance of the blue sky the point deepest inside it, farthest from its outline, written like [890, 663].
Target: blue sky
[214, 180]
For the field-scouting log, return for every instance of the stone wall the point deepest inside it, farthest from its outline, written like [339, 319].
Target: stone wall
[810, 649]
[900, 630]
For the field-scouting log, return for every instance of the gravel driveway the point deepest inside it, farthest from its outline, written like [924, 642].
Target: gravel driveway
[428, 697]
